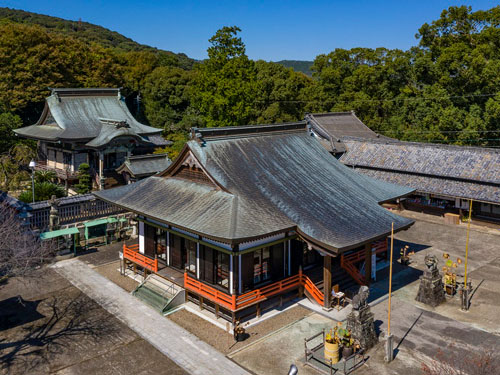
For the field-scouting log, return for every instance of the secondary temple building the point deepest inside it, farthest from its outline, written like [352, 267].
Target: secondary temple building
[445, 177]
[248, 215]
[92, 126]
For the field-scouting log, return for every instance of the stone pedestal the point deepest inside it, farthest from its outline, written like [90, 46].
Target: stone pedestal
[431, 290]
[360, 322]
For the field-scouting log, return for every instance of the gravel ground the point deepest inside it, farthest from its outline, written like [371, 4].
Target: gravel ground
[48, 326]
[110, 271]
[223, 341]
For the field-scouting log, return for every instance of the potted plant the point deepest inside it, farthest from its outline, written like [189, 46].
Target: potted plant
[239, 332]
[332, 346]
[346, 341]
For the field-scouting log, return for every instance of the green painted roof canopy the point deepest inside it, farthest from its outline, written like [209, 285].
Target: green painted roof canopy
[58, 233]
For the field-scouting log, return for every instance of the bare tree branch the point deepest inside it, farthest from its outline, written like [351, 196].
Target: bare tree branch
[21, 249]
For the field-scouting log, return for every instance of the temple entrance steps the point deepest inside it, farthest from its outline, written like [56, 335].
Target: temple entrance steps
[160, 293]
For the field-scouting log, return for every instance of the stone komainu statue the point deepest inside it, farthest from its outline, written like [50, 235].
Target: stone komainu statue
[431, 262]
[361, 298]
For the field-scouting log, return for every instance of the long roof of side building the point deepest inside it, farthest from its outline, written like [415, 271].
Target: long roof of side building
[94, 115]
[457, 171]
[267, 179]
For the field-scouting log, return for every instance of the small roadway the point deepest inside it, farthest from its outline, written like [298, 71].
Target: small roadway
[185, 349]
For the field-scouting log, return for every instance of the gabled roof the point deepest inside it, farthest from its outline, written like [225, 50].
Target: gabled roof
[85, 114]
[144, 165]
[459, 171]
[270, 178]
[333, 127]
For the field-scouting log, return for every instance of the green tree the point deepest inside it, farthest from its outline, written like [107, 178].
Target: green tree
[84, 184]
[224, 85]
[45, 176]
[43, 192]
[13, 174]
[167, 99]
[8, 122]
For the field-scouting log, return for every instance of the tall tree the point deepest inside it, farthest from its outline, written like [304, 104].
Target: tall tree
[223, 87]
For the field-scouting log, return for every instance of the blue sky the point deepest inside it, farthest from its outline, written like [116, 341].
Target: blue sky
[271, 30]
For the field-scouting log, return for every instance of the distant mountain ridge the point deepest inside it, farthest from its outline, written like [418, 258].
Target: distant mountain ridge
[86, 32]
[298, 65]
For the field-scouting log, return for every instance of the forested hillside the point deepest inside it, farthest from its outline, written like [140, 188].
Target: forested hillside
[298, 65]
[445, 89]
[86, 32]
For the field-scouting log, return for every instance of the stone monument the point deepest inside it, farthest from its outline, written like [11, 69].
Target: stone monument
[54, 213]
[431, 290]
[360, 320]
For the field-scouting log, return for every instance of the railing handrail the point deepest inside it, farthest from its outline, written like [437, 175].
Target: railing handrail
[312, 288]
[234, 302]
[379, 246]
[130, 253]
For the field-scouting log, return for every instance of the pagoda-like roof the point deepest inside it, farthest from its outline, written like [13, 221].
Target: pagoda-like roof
[260, 180]
[92, 115]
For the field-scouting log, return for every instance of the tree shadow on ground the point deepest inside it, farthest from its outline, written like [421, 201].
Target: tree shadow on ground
[39, 342]
[15, 311]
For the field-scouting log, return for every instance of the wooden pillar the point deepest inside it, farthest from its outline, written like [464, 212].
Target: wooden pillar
[368, 263]
[327, 282]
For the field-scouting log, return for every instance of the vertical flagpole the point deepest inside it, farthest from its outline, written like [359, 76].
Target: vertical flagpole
[389, 352]
[390, 280]
[465, 290]
[467, 244]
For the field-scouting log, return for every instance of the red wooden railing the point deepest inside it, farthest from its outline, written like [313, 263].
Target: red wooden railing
[233, 302]
[348, 262]
[312, 289]
[131, 252]
[267, 291]
[214, 295]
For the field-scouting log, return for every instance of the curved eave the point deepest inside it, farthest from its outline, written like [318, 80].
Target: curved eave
[229, 241]
[98, 144]
[342, 249]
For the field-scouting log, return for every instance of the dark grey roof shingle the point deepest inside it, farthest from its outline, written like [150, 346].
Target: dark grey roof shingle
[469, 163]
[145, 165]
[467, 172]
[81, 114]
[335, 126]
[275, 180]
[439, 186]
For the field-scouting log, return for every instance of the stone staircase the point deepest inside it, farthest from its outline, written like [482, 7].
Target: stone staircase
[160, 293]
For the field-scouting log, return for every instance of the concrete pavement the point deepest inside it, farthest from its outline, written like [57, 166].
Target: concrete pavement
[185, 349]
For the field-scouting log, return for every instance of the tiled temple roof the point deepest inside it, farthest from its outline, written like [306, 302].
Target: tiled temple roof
[456, 171]
[92, 115]
[145, 165]
[269, 178]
